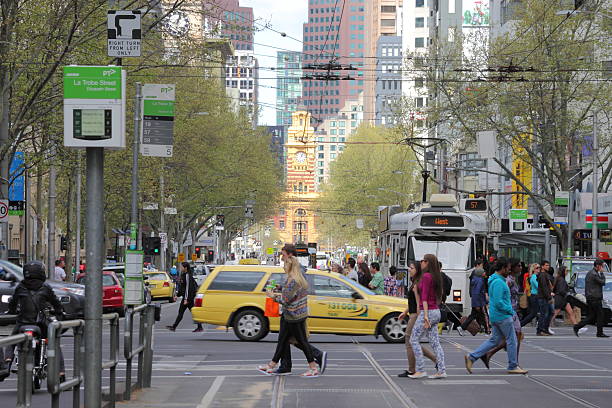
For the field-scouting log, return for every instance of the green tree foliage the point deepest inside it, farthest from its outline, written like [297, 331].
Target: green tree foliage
[374, 170]
[537, 86]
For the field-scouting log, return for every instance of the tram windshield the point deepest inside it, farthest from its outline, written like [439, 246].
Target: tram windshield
[453, 252]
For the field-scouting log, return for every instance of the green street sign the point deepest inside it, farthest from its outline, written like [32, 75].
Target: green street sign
[158, 108]
[92, 82]
[518, 214]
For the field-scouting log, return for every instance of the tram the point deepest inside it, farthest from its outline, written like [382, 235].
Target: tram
[454, 233]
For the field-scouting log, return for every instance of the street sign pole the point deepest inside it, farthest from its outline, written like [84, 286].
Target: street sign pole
[93, 288]
[51, 254]
[135, 152]
[594, 237]
[162, 221]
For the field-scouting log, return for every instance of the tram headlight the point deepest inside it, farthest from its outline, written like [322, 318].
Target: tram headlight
[456, 295]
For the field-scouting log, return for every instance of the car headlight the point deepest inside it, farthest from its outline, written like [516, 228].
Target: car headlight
[75, 291]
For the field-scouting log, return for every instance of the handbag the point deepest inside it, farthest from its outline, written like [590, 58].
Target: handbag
[272, 308]
[473, 327]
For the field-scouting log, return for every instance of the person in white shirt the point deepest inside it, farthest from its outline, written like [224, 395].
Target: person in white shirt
[351, 271]
[59, 274]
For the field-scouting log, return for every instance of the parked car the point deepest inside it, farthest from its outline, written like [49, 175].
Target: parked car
[579, 299]
[112, 295]
[579, 264]
[71, 295]
[234, 296]
[119, 270]
[161, 285]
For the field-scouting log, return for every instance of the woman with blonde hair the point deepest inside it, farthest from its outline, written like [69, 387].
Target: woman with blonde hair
[294, 299]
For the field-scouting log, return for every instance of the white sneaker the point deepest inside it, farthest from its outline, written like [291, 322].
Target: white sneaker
[460, 330]
[550, 331]
[437, 376]
[583, 330]
[418, 375]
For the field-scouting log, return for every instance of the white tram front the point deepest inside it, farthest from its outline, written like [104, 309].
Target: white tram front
[455, 237]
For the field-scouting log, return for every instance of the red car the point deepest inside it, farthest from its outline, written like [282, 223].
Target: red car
[112, 295]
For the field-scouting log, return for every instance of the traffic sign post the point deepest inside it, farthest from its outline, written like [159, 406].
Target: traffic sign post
[94, 106]
[4, 211]
[157, 120]
[124, 33]
[17, 185]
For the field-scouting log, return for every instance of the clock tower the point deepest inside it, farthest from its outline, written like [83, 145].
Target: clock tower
[296, 221]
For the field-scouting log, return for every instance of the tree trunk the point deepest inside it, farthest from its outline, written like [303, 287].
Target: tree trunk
[69, 233]
[39, 209]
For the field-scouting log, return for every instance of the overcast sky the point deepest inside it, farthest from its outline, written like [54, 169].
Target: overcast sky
[285, 16]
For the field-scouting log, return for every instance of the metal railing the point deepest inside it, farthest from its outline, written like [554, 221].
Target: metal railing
[54, 385]
[144, 351]
[144, 348]
[26, 362]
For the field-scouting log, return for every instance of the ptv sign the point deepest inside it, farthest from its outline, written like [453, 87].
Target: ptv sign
[124, 33]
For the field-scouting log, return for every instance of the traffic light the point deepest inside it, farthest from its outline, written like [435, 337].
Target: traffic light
[198, 251]
[211, 255]
[63, 243]
[151, 245]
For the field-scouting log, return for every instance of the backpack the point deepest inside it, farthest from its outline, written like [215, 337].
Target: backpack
[447, 284]
[30, 306]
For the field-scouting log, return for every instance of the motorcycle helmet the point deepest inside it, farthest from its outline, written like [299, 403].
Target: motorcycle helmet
[35, 270]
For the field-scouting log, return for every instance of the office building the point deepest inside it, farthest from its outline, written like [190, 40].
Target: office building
[334, 31]
[241, 72]
[288, 85]
[331, 136]
[388, 80]
[227, 19]
[383, 19]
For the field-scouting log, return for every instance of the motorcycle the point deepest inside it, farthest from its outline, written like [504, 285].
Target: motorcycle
[39, 344]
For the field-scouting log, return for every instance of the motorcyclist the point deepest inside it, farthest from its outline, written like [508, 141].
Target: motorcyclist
[31, 297]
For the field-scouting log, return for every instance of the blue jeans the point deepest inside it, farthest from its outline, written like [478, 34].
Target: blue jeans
[545, 315]
[503, 328]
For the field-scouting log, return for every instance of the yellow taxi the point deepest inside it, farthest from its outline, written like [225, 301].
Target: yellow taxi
[160, 285]
[234, 296]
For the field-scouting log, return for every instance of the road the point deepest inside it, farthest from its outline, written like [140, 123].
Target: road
[214, 369]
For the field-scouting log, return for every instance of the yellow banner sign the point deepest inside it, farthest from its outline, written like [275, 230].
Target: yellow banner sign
[522, 170]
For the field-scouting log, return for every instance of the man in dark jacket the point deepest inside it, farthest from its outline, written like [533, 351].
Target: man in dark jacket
[545, 297]
[187, 289]
[594, 283]
[31, 297]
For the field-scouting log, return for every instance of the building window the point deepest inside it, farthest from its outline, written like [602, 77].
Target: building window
[321, 155]
[419, 22]
[321, 179]
[333, 148]
[467, 160]
[332, 156]
[321, 147]
[419, 102]
[321, 171]
[387, 9]
[320, 164]
[419, 42]
[451, 6]
[387, 22]
[419, 3]
[281, 224]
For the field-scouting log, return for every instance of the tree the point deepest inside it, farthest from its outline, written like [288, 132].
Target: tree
[374, 170]
[538, 87]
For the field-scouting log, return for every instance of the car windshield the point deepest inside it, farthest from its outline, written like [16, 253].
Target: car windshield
[11, 267]
[107, 280]
[157, 276]
[580, 282]
[452, 252]
[367, 291]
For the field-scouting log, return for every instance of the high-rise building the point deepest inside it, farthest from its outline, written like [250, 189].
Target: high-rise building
[388, 79]
[288, 85]
[334, 30]
[227, 19]
[241, 72]
[383, 19]
[332, 134]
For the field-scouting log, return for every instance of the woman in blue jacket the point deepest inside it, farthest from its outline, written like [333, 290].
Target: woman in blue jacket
[478, 290]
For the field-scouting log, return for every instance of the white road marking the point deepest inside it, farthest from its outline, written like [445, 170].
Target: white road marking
[212, 391]
[465, 382]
